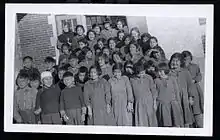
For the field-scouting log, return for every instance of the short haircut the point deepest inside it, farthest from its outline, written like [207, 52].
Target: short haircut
[102, 40]
[34, 76]
[150, 63]
[49, 59]
[127, 36]
[163, 66]
[89, 32]
[98, 69]
[63, 68]
[104, 56]
[67, 45]
[83, 40]
[73, 56]
[145, 35]
[22, 75]
[117, 66]
[83, 69]
[112, 38]
[135, 29]
[80, 26]
[28, 57]
[176, 55]
[120, 31]
[67, 74]
[153, 37]
[153, 53]
[96, 25]
[186, 54]
[138, 68]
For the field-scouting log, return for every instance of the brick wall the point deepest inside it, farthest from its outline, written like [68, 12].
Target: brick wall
[34, 34]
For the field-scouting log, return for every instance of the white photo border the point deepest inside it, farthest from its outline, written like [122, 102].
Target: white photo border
[103, 9]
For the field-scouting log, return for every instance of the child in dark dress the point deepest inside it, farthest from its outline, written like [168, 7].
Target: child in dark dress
[145, 42]
[66, 51]
[82, 76]
[198, 104]
[129, 69]
[28, 66]
[120, 39]
[72, 106]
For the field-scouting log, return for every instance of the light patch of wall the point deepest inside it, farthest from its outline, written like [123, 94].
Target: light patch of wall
[177, 34]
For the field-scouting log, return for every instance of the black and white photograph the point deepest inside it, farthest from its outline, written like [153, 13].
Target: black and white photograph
[102, 69]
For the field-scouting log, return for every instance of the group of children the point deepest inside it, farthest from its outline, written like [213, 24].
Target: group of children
[110, 77]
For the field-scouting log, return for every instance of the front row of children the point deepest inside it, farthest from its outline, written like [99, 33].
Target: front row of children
[172, 99]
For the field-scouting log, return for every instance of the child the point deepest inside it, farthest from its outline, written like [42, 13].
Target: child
[120, 39]
[28, 66]
[145, 93]
[24, 100]
[184, 81]
[151, 69]
[155, 56]
[154, 46]
[135, 34]
[194, 70]
[129, 69]
[89, 59]
[66, 51]
[79, 35]
[169, 110]
[51, 66]
[35, 81]
[134, 54]
[47, 102]
[104, 65]
[144, 43]
[108, 31]
[61, 71]
[91, 36]
[82, 76]
[73, 64]
[63, 62]
[121, 27]
[117, 58]
[97, 98]
[100, 44]
[72, 107]
[125, 48]
[82, 43]
[97, 29]
[112, 44]
[122, 97]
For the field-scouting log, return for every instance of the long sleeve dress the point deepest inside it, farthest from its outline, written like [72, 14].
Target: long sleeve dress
[97, 95]
[121, 91]
[145, 92]
[198, 105]
[184, 81]
[169, 111]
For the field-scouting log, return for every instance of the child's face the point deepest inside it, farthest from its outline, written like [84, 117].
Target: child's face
[82, 76]
[107, 26]
[82, 45]
[135, 34]
[145, 39]
[91, 36]
[100, 44]
[93, 74]
[120, 36]
[175, 63]
[97, 30]
[49, 65]
[79, 31]
[119, 25]
[153, 43]
[162, 74]
[117, 73]
[22, 82]
[101, 61]
[73, 62]
[141, 73]
[68, 81]
[65, 50]
[106, 51]
[65, 28]
[27, 63]
[60, 74]
[63, 62]
[157, 55]
[133, 49]
[127, 41]
[187, 60]
[35, 83]
[47, 81]
[116, 58]
[112, 44]
[89, 54]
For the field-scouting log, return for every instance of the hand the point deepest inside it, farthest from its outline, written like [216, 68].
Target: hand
[191, 102]
[89, 112]
[130, 107]
[108, 108]
[65, 118]
[37, 112]
[83, 118]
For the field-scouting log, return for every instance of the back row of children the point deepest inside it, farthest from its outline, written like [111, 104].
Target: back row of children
[128, 82]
